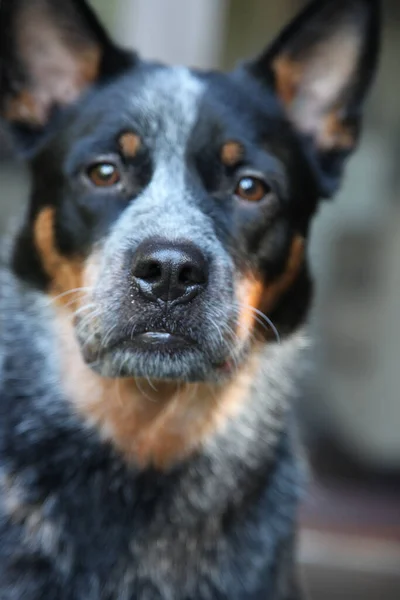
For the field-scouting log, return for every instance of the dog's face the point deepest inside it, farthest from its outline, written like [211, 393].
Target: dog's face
[170, 208]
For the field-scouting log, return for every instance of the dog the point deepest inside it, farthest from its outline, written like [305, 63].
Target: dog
[153, 303]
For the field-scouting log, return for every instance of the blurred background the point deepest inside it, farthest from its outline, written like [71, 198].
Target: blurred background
[349, 402]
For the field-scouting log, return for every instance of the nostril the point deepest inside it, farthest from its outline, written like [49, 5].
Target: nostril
[186, 276]
[150, 271]
[191, 275]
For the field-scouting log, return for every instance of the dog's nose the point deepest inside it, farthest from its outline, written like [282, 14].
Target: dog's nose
[170, 270]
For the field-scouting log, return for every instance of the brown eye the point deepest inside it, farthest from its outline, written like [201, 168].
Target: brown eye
[104, 174]
[252, 189]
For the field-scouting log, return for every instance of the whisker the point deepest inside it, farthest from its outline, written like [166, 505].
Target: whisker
[141, 390]
[107, 336]
[217, 327]
[232, 344]
[71, 315]
[195, 387]
[68, 292]
[93, 364]
[264, 317]
[153, 387]
[212, 392]
[86, 320]
[118, 391]
[83, 308]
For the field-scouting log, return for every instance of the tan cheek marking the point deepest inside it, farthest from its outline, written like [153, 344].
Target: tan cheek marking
[263, 296]
[275, 290]
[65, 273]
[130, 144]
[231, 153]
[249, 294]
[161, 432]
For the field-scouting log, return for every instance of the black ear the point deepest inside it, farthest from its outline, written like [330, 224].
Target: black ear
[51, 51]
[321, 67]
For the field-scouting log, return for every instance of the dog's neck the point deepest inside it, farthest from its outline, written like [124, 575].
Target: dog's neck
[151, 423]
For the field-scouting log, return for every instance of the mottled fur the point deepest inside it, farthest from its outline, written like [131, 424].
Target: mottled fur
[157, 472]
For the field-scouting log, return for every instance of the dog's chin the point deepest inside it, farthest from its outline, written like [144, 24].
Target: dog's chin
[159, 356]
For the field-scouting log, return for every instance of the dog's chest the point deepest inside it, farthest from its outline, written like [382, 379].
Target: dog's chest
[140, 541]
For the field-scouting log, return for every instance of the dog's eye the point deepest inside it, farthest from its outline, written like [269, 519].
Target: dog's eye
[104, 174]
[252, 189]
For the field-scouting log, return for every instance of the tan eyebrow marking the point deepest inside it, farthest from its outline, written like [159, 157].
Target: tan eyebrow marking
[264, 296]
[130, 144]
[231, 153]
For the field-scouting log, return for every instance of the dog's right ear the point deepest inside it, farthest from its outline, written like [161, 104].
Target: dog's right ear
[51, 52]
[321, 68]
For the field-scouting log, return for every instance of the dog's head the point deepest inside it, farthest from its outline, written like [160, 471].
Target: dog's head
[170, 208]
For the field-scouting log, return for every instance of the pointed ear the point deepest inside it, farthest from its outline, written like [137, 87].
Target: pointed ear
[51, 52]
[321, 67]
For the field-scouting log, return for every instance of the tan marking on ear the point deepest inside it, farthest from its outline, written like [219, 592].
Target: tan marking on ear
[319, 82]
[23, 108]
[158, 428]
[231, 153]
[255, 294]
[336, 134]
[130, 144]
[288, 75]
[89, 66]
[65, 273]
[34, 105]
[60, 65]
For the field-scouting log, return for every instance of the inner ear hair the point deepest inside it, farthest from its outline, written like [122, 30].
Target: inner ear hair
[321, 67]
[317, 82]
[316, 89]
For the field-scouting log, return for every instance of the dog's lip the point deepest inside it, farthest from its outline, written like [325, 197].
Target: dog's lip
[154, 340]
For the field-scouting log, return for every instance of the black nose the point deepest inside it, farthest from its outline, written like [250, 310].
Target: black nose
[170, 270]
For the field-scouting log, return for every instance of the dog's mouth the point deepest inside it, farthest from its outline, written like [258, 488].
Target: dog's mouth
[159, 341]
[148, 341]
[157, 354]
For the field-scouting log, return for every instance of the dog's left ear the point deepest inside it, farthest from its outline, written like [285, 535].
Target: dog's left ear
[51, 52]
[321, 67]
